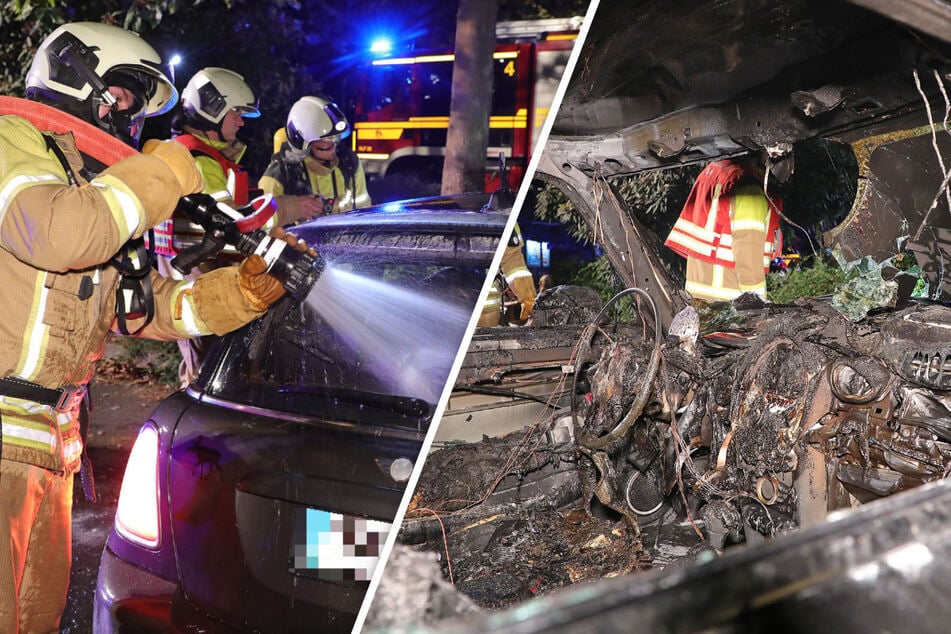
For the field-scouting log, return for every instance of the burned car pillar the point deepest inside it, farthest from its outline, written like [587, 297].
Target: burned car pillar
[634, 258]
[903, 199]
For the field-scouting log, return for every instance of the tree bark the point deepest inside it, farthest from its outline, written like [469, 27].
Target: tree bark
[471, 98]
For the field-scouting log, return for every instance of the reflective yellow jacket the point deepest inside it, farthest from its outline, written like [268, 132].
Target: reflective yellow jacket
[519, 279]
[59, 292]
[330, 183]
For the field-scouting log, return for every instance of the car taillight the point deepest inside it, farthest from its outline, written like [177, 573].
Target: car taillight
[137, 512]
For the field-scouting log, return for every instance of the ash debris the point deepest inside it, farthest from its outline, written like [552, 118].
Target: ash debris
[413, 593]
[767, 420]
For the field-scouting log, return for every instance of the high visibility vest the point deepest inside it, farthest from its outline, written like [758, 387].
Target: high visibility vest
[705, 227]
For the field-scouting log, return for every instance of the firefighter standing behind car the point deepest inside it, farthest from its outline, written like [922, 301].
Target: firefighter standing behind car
[66, 222]
[517, 277]
[311, 164]
[215, 103]
[729, 231]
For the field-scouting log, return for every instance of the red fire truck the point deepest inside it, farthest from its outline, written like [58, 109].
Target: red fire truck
[402, 110]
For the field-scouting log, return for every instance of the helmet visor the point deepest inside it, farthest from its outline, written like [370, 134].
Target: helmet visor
[338, 122]
[249, 112]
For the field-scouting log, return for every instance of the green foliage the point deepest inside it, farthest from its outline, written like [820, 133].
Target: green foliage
[822, 278]
[654, 197]
[657, 197]
[24, 24]
[551, 205]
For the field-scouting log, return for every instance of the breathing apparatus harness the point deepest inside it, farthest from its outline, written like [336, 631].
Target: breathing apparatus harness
[291, 171]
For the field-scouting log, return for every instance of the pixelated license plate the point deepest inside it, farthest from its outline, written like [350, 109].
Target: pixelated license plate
[336, 547]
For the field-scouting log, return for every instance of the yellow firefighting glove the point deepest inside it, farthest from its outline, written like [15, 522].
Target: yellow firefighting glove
[177, 157]
[229, 297]
[260, 288]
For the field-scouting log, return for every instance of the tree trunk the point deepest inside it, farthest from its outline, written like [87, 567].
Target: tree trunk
[471, 101]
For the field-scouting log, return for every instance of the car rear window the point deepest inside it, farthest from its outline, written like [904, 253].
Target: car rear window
[390, 329]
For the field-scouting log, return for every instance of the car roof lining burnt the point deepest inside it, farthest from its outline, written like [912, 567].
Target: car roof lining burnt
[645, 94]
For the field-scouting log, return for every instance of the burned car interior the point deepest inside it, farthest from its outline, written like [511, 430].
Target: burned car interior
[652, 431]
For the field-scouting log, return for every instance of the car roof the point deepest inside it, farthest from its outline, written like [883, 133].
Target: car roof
[448, 229]
[462, 213]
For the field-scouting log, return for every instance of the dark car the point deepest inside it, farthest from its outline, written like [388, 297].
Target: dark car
[258, 498]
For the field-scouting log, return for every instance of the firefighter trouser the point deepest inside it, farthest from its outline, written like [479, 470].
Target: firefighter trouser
[35, 547]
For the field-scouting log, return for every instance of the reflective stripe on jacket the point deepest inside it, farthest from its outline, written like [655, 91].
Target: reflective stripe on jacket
[710, 216]
[740, 265]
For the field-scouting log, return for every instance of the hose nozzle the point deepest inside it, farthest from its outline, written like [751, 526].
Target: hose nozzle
[297, 270]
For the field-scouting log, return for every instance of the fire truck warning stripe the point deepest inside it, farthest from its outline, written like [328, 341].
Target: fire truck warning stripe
[516, 121]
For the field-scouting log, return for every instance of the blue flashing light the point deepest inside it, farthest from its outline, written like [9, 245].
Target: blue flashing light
[381, 46]
[392, 207]
[176, 60]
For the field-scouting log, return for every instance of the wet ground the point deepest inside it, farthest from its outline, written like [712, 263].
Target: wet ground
[119, 408]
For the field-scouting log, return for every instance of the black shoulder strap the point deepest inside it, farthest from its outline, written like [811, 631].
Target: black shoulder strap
[293, 176]
[53, 147]
[348, 165]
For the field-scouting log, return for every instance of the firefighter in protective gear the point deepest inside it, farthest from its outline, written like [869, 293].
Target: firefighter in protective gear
[517, 277]
[215, 102]
[73, 68]
[62, 221]
[312, 173]
[729, 232]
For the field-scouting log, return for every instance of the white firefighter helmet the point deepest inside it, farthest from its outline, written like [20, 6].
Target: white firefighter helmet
[76, 63]
[314, 118]
[212, 92]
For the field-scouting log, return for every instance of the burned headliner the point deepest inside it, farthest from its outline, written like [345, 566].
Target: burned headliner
[651, 75]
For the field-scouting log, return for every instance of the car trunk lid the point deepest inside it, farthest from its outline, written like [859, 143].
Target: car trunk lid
[244, 492]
